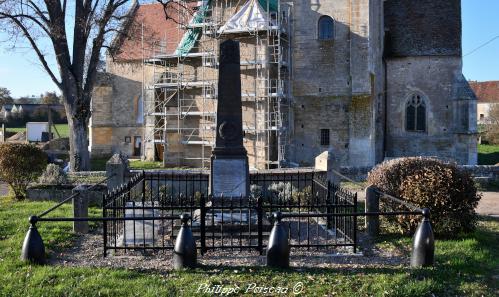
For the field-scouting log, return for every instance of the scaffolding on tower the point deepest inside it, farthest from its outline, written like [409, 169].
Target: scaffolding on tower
[183, 102]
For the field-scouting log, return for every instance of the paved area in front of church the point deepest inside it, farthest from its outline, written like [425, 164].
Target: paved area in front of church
[4, 189]
[489, 204]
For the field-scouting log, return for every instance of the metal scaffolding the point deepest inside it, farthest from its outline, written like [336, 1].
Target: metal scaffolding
[184, 86]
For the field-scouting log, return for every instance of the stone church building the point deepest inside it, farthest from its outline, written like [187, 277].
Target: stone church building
[368, 79]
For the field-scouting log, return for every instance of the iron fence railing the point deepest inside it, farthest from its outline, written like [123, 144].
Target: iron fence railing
[306, 211]
[156, 201]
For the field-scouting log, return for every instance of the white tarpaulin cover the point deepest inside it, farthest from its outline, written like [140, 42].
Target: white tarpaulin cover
[250, 17]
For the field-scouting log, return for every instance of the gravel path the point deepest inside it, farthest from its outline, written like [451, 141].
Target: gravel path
[87, 251]
[489, 204]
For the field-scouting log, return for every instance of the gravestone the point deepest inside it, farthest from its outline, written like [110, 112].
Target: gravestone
[229, 161]
[140, 232]
[116, 170]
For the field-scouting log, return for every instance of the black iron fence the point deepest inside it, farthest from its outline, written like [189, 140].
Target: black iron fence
[282, 212]
[147, 209]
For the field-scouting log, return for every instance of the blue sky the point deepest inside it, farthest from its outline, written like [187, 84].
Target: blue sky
[480, 24]
[21, 73]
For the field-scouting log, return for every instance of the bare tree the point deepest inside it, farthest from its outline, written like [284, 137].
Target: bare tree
[50, 98]
[178, 11]
[49, 27]
[492, 125]
[5, 97]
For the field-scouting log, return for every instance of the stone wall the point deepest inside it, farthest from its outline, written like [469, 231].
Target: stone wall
[59, 193]
[377, 77]
[116, 110]
[337, 83]
[485, 171]
[435, 79]
[423, 27]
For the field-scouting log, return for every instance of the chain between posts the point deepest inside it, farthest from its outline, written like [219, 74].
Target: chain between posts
[71, 197]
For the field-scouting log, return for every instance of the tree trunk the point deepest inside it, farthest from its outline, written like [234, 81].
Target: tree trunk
[79, 156]
[78, 116]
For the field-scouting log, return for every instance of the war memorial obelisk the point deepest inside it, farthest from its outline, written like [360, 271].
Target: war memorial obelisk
[229, 161]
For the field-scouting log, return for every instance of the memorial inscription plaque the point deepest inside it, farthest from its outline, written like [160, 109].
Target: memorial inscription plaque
[230, 182]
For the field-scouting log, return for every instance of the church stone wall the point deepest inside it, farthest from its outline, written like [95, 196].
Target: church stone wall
[337, 85]
[423, 27]
[435, 79]
[333, 82]
[115, 109]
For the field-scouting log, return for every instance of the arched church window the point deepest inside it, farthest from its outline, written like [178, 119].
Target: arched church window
[415, 114]
[326, 28]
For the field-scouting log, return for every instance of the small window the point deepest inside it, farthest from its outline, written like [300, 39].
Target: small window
[416, 114]
[482, 116]
[128, 139]
[324, 136]
[326, 28]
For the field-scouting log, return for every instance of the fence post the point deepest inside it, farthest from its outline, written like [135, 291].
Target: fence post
[80, 208]
[372, 205]
[185, 253]
[33, 249]
[259, 211]
[278, 248]
[203, 223]
[423, 245]
[144, 188]
[104, 223]
[328, 206]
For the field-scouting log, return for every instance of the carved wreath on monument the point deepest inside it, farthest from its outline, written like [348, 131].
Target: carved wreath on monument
[227, 130]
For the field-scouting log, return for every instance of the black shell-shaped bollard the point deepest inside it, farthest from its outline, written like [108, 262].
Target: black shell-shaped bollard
[33, 249]
[423, 245]
[278, 248]
[185, 253]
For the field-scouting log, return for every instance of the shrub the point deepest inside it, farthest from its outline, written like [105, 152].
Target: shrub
[256, 192]
[448, 192]
[281, 192]
[165, 192]
[285, 192]
[304, 197]
[53, 175]
[21, 164]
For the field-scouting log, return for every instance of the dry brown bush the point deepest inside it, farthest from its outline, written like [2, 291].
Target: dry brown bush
[450, 193]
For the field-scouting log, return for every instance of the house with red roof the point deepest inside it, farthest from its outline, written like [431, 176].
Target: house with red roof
[487, 94]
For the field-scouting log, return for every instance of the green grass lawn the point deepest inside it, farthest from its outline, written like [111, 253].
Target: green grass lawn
[488, 154]
[99, 164]
[357, 186]
[467, 266]
[63, 130]
[139, 164]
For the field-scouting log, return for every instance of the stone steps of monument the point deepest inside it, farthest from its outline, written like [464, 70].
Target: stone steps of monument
[226, 235]
[227, 232]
